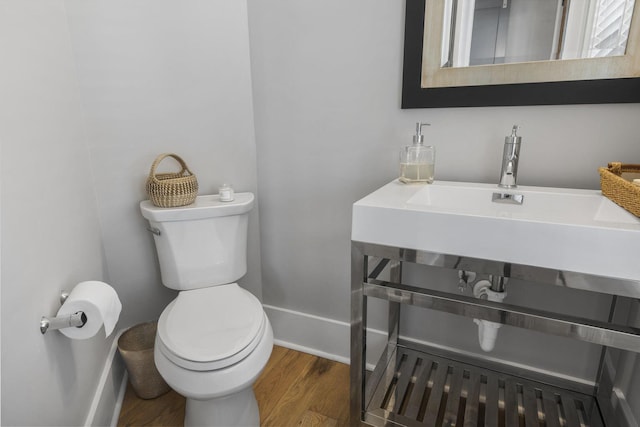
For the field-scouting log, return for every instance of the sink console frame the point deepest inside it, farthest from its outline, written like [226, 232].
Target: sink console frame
[387, 383]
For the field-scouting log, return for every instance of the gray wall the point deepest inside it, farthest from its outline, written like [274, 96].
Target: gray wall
[91, 92]
[174, 80]
[327, 79]
[50, 226]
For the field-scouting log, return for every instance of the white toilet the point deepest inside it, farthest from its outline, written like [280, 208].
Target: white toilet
[214, 339]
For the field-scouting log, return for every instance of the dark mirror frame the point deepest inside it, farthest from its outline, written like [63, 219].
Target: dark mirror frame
[603, 91]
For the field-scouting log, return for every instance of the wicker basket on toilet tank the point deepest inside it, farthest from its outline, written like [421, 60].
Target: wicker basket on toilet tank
[170, 190]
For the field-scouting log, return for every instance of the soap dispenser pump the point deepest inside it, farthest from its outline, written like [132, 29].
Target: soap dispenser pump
[417, 161]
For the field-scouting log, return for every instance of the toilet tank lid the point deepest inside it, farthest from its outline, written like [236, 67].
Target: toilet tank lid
[203, 207]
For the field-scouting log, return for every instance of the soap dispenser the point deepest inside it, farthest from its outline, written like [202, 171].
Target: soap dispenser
[417, 161]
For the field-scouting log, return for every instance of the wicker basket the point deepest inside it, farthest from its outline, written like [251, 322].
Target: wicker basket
[169, 190]
[618, 189]
[136, 348]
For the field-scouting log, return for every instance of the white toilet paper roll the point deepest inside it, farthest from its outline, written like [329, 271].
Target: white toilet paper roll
[99, 302]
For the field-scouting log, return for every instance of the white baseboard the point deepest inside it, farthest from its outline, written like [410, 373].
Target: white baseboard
[319, 336]
[120, 398]
[109, 394]
[331, 339]
[311, 334]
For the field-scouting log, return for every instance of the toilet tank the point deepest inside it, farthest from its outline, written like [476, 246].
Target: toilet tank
[202, 244]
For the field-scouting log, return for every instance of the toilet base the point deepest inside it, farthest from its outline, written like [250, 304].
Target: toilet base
[238, 409]
[222, 397]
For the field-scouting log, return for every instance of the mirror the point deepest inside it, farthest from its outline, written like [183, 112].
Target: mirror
[483, 32]
[520, 52]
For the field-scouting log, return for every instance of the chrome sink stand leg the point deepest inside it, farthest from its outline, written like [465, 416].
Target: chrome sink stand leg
[358, 336]
[395, 276]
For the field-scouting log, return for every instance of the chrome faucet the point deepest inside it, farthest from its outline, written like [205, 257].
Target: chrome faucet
[510, 157]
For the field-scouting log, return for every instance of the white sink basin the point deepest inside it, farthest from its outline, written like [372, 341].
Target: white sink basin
[565, 229]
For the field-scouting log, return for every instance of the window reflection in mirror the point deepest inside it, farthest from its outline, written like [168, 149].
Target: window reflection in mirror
[483, 32]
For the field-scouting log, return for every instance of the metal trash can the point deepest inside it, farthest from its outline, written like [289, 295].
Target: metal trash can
[136, 347]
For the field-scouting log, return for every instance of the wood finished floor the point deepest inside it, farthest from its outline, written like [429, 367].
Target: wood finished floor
[295, 389]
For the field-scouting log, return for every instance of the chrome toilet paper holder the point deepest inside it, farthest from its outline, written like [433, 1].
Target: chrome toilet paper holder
[77, 319]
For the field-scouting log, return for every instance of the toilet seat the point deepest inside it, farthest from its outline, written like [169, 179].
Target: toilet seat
[211, 328]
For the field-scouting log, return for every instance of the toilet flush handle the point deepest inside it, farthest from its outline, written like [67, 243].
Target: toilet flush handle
[154, 231]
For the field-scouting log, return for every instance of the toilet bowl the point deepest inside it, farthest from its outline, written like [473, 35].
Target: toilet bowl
[211, 346]
[214, 339]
